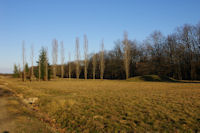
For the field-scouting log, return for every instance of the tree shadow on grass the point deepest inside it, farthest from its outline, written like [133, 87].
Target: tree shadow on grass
[157, 78]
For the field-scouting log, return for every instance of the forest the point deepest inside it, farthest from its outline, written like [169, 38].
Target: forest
[176, 55]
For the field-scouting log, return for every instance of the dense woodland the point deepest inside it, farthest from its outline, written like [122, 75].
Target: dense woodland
[176, 55]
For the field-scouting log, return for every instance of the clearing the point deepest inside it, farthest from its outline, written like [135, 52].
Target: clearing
[113, 105]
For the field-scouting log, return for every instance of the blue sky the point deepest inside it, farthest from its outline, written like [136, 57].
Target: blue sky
[39, 21]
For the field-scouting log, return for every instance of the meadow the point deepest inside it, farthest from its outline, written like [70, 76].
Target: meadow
[113, 105]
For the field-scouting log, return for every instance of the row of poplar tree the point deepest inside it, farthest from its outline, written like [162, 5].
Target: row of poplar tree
[176, 55]
[45, 71]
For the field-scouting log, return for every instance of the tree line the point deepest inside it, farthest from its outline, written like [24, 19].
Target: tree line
[176, 55]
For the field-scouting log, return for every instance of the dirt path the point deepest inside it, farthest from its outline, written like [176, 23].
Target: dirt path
[16, 117]
[6, 122]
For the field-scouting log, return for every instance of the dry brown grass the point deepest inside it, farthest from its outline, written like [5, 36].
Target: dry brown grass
[110, 106]
[15, 117]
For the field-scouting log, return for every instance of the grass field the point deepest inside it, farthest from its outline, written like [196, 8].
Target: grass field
[15, 117]
[112, 106]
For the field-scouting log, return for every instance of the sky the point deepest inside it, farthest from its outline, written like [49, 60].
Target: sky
[38, 22]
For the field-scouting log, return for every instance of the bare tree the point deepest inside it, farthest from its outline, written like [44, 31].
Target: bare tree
[54, 56]
[86, 55]
[77, 58]
[94, 65]
[62, 59]
[32, 58]
[69, 65]
[24, 62]
[102, 65]
[126, 54]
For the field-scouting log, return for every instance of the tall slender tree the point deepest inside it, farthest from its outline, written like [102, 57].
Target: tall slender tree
[20, 73]
[77, 58]
[24, 60]
[62, 58]
[43, 65]
[94, 65]
[32, 58]
[39, 71]
[27, 70]
[85, 55]
[46, 65]
[54, 56]
[126, 54]
[102, 65]
[69, 63]
[16, 71]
